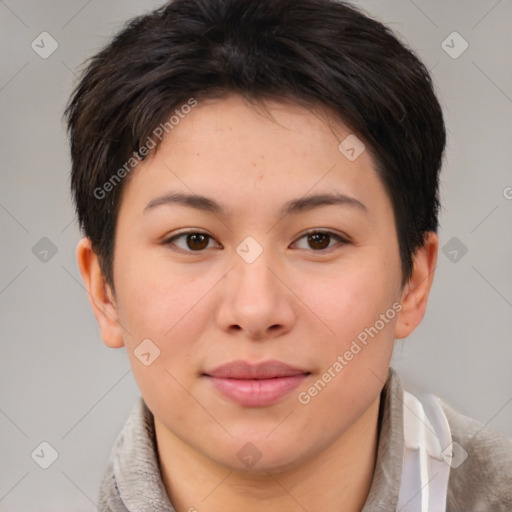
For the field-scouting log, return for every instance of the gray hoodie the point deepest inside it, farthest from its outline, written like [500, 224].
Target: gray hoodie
[482, 483]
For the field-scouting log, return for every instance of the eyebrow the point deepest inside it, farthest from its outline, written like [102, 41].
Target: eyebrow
[294, 206]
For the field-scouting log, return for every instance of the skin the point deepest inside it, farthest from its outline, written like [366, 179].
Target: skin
[298, 302]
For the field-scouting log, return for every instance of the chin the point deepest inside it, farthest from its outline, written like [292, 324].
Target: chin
[259, 455]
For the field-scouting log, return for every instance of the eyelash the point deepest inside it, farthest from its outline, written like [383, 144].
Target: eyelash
[341, 240]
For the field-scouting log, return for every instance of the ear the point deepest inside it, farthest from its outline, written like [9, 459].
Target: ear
[100, 295]
[416, 291]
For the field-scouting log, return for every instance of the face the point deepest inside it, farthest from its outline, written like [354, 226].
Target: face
[259, 273]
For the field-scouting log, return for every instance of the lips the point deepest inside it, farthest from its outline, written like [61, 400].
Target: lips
[264, 370]
[254, 385]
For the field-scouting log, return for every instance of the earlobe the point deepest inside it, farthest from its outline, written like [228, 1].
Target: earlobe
[101, 297]
[415, 293]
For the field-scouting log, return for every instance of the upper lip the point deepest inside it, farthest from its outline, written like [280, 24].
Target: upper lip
[264, 370]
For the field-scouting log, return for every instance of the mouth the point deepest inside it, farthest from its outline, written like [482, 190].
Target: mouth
[256, 385]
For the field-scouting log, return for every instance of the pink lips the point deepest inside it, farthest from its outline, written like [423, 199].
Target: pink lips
[256, 385]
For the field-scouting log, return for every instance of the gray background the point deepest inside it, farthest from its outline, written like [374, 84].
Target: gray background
[60, 384]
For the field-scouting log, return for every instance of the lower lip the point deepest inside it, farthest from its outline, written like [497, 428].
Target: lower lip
[257, 392]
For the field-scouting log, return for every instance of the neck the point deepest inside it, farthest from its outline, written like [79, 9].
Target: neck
[340, 474]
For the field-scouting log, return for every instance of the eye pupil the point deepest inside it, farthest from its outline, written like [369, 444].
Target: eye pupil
[197, 238]
[318, 238]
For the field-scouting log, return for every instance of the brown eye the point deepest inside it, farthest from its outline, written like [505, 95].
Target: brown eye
[196, 241]
[321, 240]
[190, 241]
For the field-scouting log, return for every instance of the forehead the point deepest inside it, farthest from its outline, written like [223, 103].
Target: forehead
[229, 147]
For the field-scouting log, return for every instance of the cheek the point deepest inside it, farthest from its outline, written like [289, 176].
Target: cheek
[165, 311]
[355, 357]
[351, 304]
[155, 303]
[347, 302]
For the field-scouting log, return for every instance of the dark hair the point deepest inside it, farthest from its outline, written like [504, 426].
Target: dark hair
[312, 52]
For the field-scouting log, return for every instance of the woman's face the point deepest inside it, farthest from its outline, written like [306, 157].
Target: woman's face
[267, 269]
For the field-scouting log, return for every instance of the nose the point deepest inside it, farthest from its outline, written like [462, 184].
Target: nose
[256, 299]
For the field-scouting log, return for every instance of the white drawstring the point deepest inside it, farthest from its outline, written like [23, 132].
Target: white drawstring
[426, 431]
[424, 466]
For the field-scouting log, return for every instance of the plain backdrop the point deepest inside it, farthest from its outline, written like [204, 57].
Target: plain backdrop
[59, 384]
